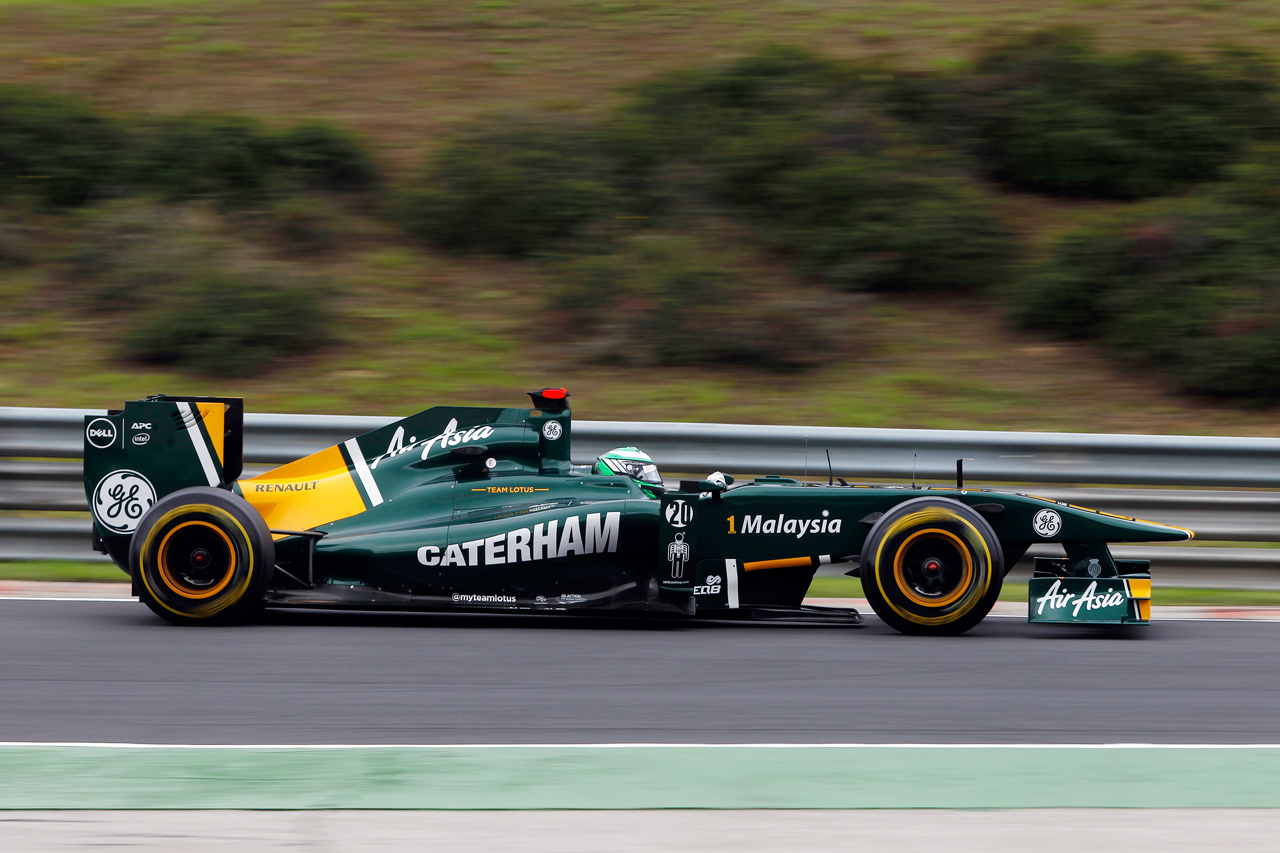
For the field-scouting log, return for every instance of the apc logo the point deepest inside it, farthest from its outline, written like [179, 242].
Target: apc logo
[679, 513]
[101, 433]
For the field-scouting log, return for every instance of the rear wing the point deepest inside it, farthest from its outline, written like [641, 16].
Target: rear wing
[136, 455]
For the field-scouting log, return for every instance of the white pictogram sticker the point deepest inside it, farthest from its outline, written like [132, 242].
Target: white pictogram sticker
[678, 553]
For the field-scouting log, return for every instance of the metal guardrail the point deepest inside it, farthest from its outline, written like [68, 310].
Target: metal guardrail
[1009, 457]
[36, 476]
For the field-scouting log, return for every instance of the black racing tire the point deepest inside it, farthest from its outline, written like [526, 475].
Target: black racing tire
[202, 556]
[932, 566]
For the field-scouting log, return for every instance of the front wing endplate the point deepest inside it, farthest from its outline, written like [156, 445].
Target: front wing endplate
[1123, 600]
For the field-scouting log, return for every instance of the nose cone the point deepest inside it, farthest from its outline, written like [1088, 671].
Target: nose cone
[1121, 529]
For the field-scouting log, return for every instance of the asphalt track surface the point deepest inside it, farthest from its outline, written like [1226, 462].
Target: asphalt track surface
[109, 671]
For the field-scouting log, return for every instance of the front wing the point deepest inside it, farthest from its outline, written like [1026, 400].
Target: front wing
[1060, 592]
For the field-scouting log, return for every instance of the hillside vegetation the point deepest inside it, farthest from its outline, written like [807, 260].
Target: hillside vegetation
[1039, 230]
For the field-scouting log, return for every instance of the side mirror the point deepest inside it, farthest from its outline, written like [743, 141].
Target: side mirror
[479, 463]
[470, 450]
[716, 483]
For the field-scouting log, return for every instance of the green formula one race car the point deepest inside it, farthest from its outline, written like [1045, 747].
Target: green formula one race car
[461, 508]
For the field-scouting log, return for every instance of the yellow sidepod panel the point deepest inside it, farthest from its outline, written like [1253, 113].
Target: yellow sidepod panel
[314, 490]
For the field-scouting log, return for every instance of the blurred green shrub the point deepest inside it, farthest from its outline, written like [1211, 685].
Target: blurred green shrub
[741, 123]
[128, 253]
[1190, 287]
[662, 298]
[192, 296]
[1050, 113]
[18, 243]
[240, 163]
[56, 149]
[229, 158]
[514, 187]
[65, 153]
[320, 156]
[299, 225]
[873, 223]
[693, 111]
[234, 321]
[798, 144]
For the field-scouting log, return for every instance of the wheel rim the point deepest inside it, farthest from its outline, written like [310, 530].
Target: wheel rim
[933, 568]
[196, 559]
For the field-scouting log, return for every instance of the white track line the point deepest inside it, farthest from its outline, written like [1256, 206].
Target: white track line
[59, 598]
[644, 746]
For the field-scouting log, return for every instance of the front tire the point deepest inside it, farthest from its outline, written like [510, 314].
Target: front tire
[202, 556]
[932, 566]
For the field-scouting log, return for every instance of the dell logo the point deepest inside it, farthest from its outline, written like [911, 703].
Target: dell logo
[101, 433]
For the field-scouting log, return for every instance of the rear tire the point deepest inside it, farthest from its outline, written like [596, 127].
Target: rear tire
[932, 566]
[202, 556]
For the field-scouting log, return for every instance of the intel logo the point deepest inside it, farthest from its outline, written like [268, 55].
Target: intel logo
[141, 438]
[101, 433]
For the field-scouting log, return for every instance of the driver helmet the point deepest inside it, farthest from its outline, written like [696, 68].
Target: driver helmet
[634, 463]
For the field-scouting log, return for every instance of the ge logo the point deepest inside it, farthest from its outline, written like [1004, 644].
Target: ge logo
[552, 430]
[679, 513]
[712, 580]
[1047, 523]
[120, 500]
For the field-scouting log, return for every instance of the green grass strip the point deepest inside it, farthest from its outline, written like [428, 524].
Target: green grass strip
[636, 777]
[62, 571]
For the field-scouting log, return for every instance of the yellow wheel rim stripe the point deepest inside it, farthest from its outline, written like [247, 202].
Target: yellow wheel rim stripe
[899, 573]
[227, 601]
[926, 516]
[177, 586]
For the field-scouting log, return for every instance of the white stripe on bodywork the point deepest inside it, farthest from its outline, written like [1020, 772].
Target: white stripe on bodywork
[192, 422]
[362, 469]
[731, 580]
